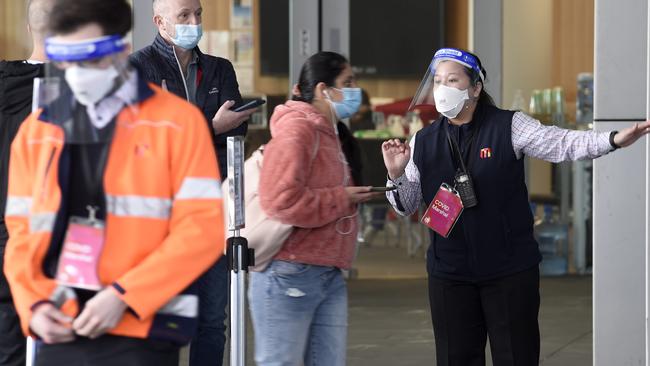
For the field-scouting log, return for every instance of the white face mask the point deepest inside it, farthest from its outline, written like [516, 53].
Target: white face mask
[90, 85]
[450, 101]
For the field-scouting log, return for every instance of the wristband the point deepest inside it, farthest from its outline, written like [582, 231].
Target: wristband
[611, 140]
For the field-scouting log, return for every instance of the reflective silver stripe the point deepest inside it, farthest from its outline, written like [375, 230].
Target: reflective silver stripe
[199, 188]
[18, 206]
[139, 206]
[42, 222]
[38, 222]
[182, 305]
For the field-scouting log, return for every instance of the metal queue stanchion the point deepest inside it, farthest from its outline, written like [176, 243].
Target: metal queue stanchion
[240, 257]
[30, 359]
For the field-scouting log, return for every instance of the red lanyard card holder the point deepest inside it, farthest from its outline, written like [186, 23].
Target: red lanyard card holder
[444, 210]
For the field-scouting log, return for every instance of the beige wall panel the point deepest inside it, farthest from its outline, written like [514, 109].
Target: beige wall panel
[573, 44]
[14, 39]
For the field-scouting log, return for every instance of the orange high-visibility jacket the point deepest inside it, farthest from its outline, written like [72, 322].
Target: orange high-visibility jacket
[163, 221]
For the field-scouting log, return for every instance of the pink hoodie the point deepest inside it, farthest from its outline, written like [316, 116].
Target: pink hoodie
[302, 184]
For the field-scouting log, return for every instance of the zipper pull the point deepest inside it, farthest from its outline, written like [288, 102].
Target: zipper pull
[164, 85]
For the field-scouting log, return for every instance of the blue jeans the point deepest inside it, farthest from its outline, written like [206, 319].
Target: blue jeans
[300, 315]
[208, 344]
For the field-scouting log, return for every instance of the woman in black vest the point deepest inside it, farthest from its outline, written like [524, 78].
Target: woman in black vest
[483, 267]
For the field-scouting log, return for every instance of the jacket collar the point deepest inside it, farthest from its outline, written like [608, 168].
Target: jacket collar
[167, 50]
[144, 90]
[308, 111]
[64, 106]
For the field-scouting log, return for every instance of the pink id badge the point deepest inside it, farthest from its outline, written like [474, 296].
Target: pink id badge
[444, 210]
[79, 258]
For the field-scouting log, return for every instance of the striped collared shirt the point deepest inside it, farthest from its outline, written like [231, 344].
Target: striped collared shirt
[529, 137]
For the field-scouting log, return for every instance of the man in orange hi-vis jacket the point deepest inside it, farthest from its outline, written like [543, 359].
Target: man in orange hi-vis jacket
[114, 205]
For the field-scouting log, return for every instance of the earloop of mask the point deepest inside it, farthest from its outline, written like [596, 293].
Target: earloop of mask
[342, 219]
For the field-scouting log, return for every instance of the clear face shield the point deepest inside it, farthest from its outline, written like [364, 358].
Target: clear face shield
[447, 101]
[79, 78]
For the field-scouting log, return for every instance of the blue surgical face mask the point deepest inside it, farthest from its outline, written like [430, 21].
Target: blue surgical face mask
[350, 104]
[187, 35]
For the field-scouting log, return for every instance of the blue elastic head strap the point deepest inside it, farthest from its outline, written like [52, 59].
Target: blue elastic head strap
[83, 50]
[459, 56]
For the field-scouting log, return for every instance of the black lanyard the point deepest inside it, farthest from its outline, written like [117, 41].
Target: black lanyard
[453, 145]
[93, 175]
[93, 171]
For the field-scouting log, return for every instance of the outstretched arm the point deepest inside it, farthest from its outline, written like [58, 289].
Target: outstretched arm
[554, 144]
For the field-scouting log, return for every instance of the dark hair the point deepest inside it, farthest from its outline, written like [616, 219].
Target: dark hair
[322, 67]
[113, 16]
[365, 98]
[475, 78]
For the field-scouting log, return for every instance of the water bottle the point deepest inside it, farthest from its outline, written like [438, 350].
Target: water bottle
[585, 98]
[518, 101]
[415, 122]
[552, 237]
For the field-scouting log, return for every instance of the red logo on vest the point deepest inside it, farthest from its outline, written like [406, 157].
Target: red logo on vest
[486, 153]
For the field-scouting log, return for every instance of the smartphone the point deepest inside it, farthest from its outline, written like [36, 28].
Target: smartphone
[252, 104]
[383, 189]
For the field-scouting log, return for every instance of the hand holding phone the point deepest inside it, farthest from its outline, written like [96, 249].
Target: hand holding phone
[252, 104]
[229, 117]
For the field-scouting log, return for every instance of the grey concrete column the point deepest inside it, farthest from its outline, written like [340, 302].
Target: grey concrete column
[620, 185]
[488, 42]
[335, 28]
[303, 34]
[144, 30]
[316, 25]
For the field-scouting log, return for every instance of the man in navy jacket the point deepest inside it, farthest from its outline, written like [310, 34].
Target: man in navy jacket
[206, 81]
[175, 62]
[16, 84]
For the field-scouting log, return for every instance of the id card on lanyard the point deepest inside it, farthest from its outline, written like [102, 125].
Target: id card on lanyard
[444, 210]
[82, 248]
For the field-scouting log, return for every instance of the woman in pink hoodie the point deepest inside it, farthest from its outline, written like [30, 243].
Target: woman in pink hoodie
[299, 303]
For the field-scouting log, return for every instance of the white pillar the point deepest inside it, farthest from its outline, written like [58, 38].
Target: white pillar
[620, 185]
